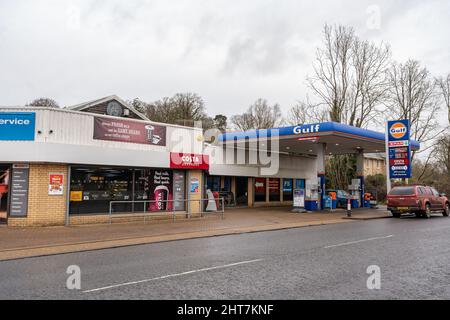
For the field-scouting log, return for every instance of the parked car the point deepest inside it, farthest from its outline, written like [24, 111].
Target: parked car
[342, 197]
[420, 200]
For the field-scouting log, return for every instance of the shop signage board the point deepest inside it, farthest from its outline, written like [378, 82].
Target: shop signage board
[189, 161]
[399, 149]
[129, 131]
[56, 184]
[178, 190]
[19, 190]
[17, 126]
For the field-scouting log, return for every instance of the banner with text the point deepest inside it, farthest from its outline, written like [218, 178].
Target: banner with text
[129, 131]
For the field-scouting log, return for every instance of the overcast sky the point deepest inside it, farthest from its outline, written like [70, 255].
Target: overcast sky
[229, 52]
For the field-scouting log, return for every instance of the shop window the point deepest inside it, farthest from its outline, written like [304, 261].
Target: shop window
[299, 183]
[274, 190]
[227, 184]
[4, 188]
[213, 183]
[260, 189]
[288, 189]
[93, 188]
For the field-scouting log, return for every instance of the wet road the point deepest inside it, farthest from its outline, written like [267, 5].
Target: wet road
[325, 262]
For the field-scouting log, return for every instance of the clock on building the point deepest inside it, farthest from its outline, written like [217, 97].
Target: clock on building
[114, 109]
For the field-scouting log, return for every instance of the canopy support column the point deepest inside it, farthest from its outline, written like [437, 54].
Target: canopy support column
[360, 174]
[321, 173]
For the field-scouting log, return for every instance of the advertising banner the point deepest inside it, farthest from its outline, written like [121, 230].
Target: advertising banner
[260, 185]
[56, 184]
[399, 149]
[161, 187]
[287, 185]
[274, 185]
[189, 161]
[17, 126]
[129, 131]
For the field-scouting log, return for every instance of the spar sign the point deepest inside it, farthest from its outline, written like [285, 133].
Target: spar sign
[399, 149]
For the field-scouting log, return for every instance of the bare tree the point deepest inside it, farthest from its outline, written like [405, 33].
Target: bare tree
[305, 112]
[44, 102]
[368, 89]
[413, 96]
[260, 115]
[182, 108]
[444, 86]
[350, 76]
[350, 85]
[331, 81]
[442, 154]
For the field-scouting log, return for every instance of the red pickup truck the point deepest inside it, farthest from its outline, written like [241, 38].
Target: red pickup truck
[421, 200]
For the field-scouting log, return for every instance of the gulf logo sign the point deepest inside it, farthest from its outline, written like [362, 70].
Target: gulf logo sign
[398, 130]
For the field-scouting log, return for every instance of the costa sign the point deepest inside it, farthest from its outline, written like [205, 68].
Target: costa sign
[189, 161]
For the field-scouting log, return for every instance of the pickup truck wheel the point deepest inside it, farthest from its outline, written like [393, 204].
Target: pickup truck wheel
[396, 214]
[446, 212]
[427, 212]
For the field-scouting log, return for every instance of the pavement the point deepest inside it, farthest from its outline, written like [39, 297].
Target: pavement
[30, 242]
[412, 256]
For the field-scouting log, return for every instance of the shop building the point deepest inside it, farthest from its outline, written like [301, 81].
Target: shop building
[79, 164]
[66, 166]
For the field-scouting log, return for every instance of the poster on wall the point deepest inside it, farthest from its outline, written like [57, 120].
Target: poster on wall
[129, 131]
[274, 185]
[260, 185]
[161, 186]
[56, 184]
[287, 185]
[195, 185]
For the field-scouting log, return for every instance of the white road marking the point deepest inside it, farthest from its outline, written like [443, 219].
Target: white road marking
[358, 241]
[173, 275]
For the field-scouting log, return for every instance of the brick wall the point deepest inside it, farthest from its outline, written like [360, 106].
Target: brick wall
[43, 210]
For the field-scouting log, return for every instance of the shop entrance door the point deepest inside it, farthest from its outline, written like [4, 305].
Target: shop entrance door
[4, 192]
[241, 191]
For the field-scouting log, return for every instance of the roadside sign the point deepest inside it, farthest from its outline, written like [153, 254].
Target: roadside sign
[299, 198]
[399, 149]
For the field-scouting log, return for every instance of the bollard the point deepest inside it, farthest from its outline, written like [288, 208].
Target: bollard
[349, 208]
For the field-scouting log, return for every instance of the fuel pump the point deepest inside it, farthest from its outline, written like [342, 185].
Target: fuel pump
[311, 196]
[355, 192]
